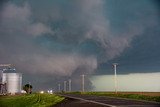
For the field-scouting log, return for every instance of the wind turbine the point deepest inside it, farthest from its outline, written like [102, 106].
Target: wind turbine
[115, 76]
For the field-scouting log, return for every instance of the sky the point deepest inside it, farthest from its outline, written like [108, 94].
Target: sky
[50, 41]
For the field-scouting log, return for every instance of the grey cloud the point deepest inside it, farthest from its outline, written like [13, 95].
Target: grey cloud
[18, 19]
[39, 29]
[62, 65]
[67, 23]
[28, 55]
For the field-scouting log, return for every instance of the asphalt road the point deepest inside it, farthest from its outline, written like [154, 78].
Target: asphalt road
[69, 102]
[76, 100]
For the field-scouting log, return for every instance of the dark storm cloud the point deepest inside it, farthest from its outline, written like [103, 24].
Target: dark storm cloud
[3, 1]
[19, 34]
[67, 39]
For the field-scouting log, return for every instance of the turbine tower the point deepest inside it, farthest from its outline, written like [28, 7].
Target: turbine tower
[83, 82]
[70, 87]
[59, 87]
[115, 76]
[65, 82]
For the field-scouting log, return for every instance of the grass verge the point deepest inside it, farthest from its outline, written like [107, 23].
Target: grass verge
[32, 100]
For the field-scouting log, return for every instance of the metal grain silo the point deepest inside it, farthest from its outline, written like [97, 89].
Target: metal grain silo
[13, 82]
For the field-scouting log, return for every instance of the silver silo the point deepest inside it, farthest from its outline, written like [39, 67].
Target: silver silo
[13, 82]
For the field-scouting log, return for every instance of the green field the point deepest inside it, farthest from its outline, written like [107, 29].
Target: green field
[123, 95]
[32, 100]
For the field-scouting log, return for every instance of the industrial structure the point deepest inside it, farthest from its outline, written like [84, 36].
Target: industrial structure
[10, 80]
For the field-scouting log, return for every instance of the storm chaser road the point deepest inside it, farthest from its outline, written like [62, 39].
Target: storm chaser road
[74, 100]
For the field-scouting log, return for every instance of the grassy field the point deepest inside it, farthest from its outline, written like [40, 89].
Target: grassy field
[131, 95]
[32, 100]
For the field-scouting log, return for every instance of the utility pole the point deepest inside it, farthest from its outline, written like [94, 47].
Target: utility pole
[70, 87]
[65, 86]
[83, 82]
[115, 76]
[59, 87]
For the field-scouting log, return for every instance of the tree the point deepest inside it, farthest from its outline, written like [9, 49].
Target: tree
[27, 88]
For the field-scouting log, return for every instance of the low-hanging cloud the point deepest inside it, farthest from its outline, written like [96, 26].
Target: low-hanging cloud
[61, 65]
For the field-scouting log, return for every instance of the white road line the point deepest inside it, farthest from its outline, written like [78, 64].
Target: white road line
[89, 101]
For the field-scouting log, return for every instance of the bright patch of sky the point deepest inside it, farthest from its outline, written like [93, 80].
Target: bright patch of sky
[148, 82]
